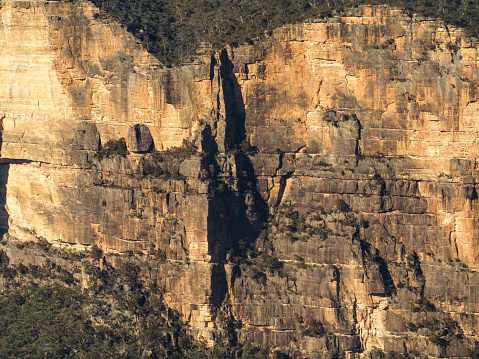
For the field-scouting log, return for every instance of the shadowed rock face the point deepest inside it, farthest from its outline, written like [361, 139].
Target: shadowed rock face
[316, 187]
[139, 138]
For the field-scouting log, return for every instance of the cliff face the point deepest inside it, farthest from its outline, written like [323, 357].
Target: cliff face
[315, 190]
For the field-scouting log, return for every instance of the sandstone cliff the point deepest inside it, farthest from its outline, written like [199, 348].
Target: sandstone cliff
[313, 191]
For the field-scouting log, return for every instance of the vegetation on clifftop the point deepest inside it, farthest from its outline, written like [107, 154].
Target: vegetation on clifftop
[173, 30]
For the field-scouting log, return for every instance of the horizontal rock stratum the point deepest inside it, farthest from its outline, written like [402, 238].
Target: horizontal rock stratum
[316, 187]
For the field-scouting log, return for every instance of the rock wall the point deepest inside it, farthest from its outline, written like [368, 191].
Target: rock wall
[313, 191]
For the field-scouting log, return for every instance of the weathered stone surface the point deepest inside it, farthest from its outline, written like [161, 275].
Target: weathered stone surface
[328, 174]
[139, 139]
[87, 138]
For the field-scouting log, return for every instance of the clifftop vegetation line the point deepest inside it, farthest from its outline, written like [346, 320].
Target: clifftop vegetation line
[173, 30]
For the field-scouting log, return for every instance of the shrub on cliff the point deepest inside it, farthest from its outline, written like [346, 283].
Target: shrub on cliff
[113, 148]
[423, 305]
[186, 150]
[313, 328]
[342, 206]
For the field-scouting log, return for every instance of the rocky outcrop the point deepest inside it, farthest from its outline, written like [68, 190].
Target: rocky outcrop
[313, 191]
[139, 138]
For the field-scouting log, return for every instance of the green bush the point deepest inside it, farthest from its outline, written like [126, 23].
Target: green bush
[423, 305]
[113, 148]
[342, 206]
[186, 150]
[314, 328]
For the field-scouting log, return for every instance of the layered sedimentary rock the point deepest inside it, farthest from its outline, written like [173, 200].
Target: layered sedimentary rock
[316, 189]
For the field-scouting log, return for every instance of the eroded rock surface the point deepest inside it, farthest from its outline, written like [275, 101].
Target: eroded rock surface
[313, 191]
[139, 138]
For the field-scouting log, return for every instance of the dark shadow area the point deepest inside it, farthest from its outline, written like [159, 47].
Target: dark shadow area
[4, 168]
[255, 209]
[236, 215]
[374, 256]
[235, 131]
